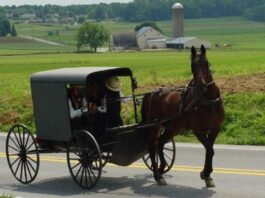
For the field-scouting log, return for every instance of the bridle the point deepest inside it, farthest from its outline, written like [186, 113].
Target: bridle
[198, 94]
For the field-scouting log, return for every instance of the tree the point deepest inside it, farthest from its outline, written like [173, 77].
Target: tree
[92, 34]
[81, 19]
[4, 27]
[148, 24]
[13, 31]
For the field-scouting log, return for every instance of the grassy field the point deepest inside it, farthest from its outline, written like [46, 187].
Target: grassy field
[19, 45]
[236, 31]
[245, 113]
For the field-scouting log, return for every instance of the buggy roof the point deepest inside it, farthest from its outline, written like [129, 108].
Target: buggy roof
[79, 74]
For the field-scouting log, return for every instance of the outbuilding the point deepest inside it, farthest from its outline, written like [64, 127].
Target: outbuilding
[187, 42]
[123, 41]
[157, 43]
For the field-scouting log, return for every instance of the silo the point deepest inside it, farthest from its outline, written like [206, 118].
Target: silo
[178, 20]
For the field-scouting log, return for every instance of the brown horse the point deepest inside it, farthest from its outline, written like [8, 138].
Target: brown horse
[199, 107]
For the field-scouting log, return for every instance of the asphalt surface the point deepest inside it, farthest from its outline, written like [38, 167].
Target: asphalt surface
[239, 171]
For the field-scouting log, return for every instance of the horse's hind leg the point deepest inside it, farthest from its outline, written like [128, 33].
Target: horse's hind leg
[153, 149]
[161, 143]
[208, 167]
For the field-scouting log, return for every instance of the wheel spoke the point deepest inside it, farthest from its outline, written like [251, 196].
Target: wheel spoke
[23, 137]
[172, 150]
[27, 149]
[19, 143]
[14, 142]
[26, 144]
[92, 173]
[82, 174]
[13, 148]
[21, 171]
[18, 167]
[19, 135]
[31, 159]
[77, 173]
[167, 163]
[75, 166]
[86, 174]
[146, 159]
[167, 155]
[25, 172]
[90, 179]
[29, 171]
[31, 166]
[14, 161]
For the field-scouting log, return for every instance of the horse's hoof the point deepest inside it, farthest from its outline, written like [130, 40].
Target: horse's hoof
[209, 183]
[162, 182]
[202, 176]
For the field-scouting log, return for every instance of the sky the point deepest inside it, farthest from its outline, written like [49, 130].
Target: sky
[57, 2]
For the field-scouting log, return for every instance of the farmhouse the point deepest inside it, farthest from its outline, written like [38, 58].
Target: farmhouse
[147, 35]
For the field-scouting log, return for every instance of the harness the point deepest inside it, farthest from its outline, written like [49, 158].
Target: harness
[197, 97]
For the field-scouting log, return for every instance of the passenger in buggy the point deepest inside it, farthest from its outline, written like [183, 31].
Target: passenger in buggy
[77, 106]
[97, 109]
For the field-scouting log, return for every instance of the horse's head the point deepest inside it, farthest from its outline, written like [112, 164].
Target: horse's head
[200, 67]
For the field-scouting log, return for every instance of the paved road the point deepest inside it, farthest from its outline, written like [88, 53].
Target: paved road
[239, 172]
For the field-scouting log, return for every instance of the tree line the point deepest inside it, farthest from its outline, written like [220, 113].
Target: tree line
[141, 10]
[5, 25]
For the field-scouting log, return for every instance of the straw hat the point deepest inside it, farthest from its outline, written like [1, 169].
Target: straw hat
[113, 84]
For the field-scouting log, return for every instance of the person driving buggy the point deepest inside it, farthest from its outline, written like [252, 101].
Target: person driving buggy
[113, 96]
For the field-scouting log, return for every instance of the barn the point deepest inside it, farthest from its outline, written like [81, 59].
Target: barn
[123, 41]
[187, 42]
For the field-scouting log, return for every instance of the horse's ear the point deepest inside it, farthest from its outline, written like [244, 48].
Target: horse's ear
[193, 53]
[203, 50]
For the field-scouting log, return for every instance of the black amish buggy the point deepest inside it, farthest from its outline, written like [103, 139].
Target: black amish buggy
[54, 133]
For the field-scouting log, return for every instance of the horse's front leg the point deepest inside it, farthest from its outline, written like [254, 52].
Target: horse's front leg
[208, 167]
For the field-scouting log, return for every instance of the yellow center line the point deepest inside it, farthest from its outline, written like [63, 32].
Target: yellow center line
[181, 168]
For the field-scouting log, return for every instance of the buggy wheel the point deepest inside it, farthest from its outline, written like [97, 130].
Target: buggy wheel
[84, 159]
[22, 154]
[169, 152]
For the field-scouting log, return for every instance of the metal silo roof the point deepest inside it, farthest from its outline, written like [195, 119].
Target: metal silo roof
[177, 6]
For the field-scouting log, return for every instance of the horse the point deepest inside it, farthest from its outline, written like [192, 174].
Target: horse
[198, 107]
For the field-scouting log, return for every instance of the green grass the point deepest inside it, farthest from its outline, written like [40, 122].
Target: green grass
[17, 45]
[6, 196]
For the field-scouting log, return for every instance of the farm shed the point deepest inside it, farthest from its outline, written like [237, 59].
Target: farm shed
[187, 42]
[146, 34]
[123, 40]
[157, 43]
